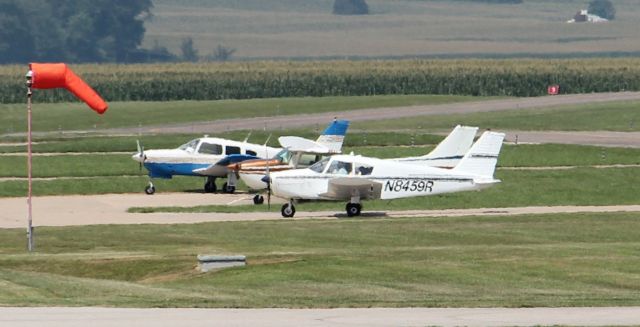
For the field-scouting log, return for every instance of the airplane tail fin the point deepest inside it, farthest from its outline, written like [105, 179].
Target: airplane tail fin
[449, 152]
[456, 144]
[482, 158]
[333, 135]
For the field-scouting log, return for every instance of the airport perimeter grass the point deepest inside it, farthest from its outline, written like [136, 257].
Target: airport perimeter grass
[523, 261]
[75, 116]
[75, 144]
[99, 164]
[98, 173]
[612, 116]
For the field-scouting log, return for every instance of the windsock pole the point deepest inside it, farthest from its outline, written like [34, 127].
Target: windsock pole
[29, 156]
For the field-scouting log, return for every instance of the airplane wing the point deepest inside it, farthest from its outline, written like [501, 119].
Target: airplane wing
[299, 144]
[342, 188]
[220, 168]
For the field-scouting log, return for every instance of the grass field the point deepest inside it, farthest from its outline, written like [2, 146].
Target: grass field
[618, 116]
[75, 116]
[105, 173]
[303, 29]
[615, 116]
[523, 261]
[552, 260]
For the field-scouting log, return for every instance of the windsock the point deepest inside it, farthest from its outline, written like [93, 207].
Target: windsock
[49, 76]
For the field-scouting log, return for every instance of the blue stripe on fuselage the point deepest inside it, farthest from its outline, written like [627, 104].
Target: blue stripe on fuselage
[167, 170]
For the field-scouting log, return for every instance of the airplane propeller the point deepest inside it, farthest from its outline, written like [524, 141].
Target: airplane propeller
[141, 155]
[267, 177]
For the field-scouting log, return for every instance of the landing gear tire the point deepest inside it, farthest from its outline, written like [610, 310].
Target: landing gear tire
[258, 199]
[228, 188]
[353, 209]
[210, 187]
[288, 210]
[149, 189]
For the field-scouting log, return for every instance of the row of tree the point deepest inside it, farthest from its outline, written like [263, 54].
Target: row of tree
[72, 30]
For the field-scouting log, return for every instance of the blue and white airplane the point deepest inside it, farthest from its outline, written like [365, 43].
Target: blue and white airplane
[204, 157]
[214, 157]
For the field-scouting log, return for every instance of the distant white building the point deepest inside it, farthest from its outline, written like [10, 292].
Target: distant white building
[583, 16]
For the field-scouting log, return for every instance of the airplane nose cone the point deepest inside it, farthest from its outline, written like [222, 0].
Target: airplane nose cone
[266, 179]
[137, 157]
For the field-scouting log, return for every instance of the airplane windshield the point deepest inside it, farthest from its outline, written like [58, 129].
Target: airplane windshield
[191, 146]
[283, 156]
[319, 166]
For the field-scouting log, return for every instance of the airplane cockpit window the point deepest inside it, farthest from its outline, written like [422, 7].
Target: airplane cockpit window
[190, 146]
[283, 156]
[251, 153]
[308, 159]
[362, 169]
[232, 150]
[319, 166]
[340, 167]
[210, 148]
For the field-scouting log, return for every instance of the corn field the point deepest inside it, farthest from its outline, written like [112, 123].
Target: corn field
[242, 80]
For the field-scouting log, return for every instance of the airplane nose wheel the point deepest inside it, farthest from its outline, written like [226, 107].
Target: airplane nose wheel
[353, 209]
[288, 210]
[258, 199]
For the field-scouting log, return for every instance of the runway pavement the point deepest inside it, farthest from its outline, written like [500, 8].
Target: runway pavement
[369, 317]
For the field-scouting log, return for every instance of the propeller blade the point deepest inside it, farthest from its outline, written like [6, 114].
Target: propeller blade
[268, 175]
[141, 155]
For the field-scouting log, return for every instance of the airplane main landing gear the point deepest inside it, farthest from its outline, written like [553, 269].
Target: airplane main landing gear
[150, 189]
[258, 199]
[353, 209]
[210, 185]
[226, 188]
[288, 210]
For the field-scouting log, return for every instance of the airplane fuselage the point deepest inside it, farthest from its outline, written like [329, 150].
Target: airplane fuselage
[199, 157]
[381, 179]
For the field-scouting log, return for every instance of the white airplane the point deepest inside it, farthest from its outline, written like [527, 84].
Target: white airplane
[205, 157]
[297, 152]
[300, 153]
[353, 178]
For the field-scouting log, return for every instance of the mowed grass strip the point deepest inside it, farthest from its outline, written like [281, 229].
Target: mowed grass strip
[128, 143]
[75, 116]
[536, 260]
[580, 186]
[89, 165]
[523, 155]
[105, 173]
[613, 116]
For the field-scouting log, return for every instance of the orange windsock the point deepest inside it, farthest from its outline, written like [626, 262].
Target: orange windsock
[49, 76]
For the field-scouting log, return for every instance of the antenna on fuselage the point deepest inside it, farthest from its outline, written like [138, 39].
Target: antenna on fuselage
[247, 138]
